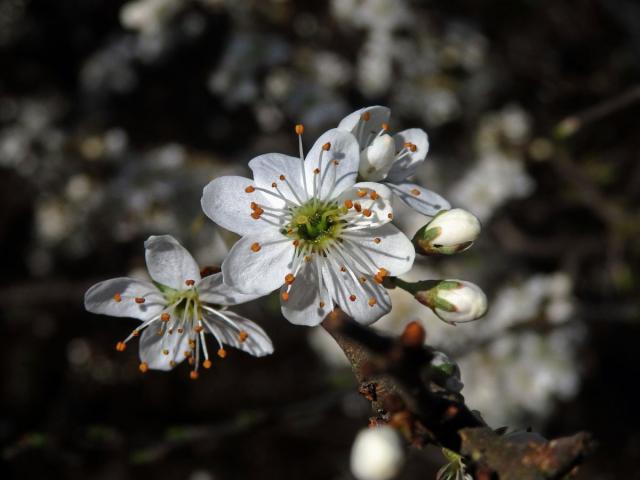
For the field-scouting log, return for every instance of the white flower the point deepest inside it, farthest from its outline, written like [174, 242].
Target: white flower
[450, 231]
[177, 309]
[308, 227]
[455, 301]
[392, 159]
[377, 454]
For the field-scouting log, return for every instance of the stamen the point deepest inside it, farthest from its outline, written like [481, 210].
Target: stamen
[193, 374]
[321, 304]
[316, 170]
[250, 189]
[377, 240]
[348, 204]
[285, 296]
[189, 283]
[121, 346]
[366, 116]
[242, 336]
[165, 352]
[415, 191]
[390, 216]
[358, 207]
[255, 247]
[352, 298]
[143, 367]
[282, 177]
[206, 364]
[372, 301]
[117, 297]
[362, 192]
[296, 242]
[380, 276]
[385, 127]
[299, 129]
[222, 353]
[289, 279]
[139, 300]
[135, 333]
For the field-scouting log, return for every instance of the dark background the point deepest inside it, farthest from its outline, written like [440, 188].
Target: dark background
[108, 135]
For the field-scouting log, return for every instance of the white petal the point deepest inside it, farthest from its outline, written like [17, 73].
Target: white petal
[152, 346]
[213, 290]
[365, 130]
[364, 302]
[339, 166]
[407, 165]
[373, 212]
[259, 271]
[268, 169]
[225, 201]
[420, 199]
[394, 252]
[100, 299]
[169, 263]
[257, 342]
[303, 306]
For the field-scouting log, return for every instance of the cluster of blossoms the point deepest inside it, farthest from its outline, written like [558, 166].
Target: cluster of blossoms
[318, 228]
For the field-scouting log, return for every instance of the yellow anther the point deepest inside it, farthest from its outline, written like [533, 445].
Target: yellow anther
[121, 346]
[289, 278]
[296, 242]
[390, 216]
[282, 177]
[374, 195]
[274, 185]
[198, 328]
[348, 204]
[172, 363]
[180, 330]
[191, 361]
[321, 304]
[363, 280]
[307, 258]
[366, 212]
[343, 268]
[143, 367]
[165, 317]
[377, 240]
[415, 192]
[255, 247]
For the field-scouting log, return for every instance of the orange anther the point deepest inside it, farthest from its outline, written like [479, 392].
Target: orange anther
[316, 170]
[413, 147]
[374, 195]
[352, 298]
[348, 204]
[206, 363]
[372, 301]
[165, 317]
[189, 283]
[358, 207]
[362, 192]
[250, 189]
[366, 212]
[299, 129]
[192, 344]
[390, 216]
[253, 205]
[222, 353]
[362, 280]
[282, 177]
[117, 297]
[296, 242]
[366, 116]
[242, 336]
[121, 346]
[285, 296]
[326, 146]
[255, 247]
[193, 375]
[321, 304]
[139, 300]
[198, 328]
[289, 278]
[385, 127]
[143, 367]
[377, 240]
[136, 333]
[415, 192]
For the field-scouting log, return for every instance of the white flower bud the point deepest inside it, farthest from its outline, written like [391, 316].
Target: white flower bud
[451, 231]
[377, 158]
[455, 301]
[377, 454]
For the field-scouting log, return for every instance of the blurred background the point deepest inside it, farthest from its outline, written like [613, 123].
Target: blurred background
[115, 114]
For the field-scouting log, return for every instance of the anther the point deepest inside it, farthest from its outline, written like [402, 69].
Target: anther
[139, 300]
[363, 280]
[181, 330]
[253, 205]
[206, 363]
[348, 204]
[198, 328]
[136, 333]
[336, 162]
[165, 317]
[374, 195]
[366, 212]
[172, 363]
[372, 301]
[326, 146]
[307, 258]
[321, 304]
[316, 170]
[255, 247]
[282, 177]
[366, 116]
[191, 361]
[299, 129]
[362, 192]
[390, 216]
[242, 336]
[121, 346]
[143, 367]
[377, 240]
[189, 283]
[193, 375]
[249, 189]
[296, 242]
[352, 298]
[165, 352]
[382, 273]
[222, 353]
[415, 192]
[289, 278]
[117, 297]
[385, 127]
[358, 207]
[192, 344]
[343, 268]
[285, 296]
[274, 185]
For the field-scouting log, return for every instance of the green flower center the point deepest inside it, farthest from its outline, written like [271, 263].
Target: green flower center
[186, 299]
[316, 224]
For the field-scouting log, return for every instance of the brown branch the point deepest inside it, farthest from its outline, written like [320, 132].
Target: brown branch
[397, 377]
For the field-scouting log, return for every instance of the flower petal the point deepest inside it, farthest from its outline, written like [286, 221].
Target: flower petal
[284, 171]
[369, 205]
[101, 298]
[365, 130]
[409, 163]
[329, 172]
[169, 263]
[226, 201]
[364, 301]
[303, 305]
[213, 290]
[257, 342]
[153, 345]
[258, 263]
[386, 248]
[420, 199]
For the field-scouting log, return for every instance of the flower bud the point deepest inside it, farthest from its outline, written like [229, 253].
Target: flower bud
[450, 231]
[454, 301]
[377, 158]
[377, 454]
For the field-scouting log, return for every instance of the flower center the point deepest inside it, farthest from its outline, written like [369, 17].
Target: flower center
[315, 224]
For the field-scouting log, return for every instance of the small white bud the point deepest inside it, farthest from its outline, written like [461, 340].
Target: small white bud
[455, 301]
[377, 454]
[376, 160]
[451, 231]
